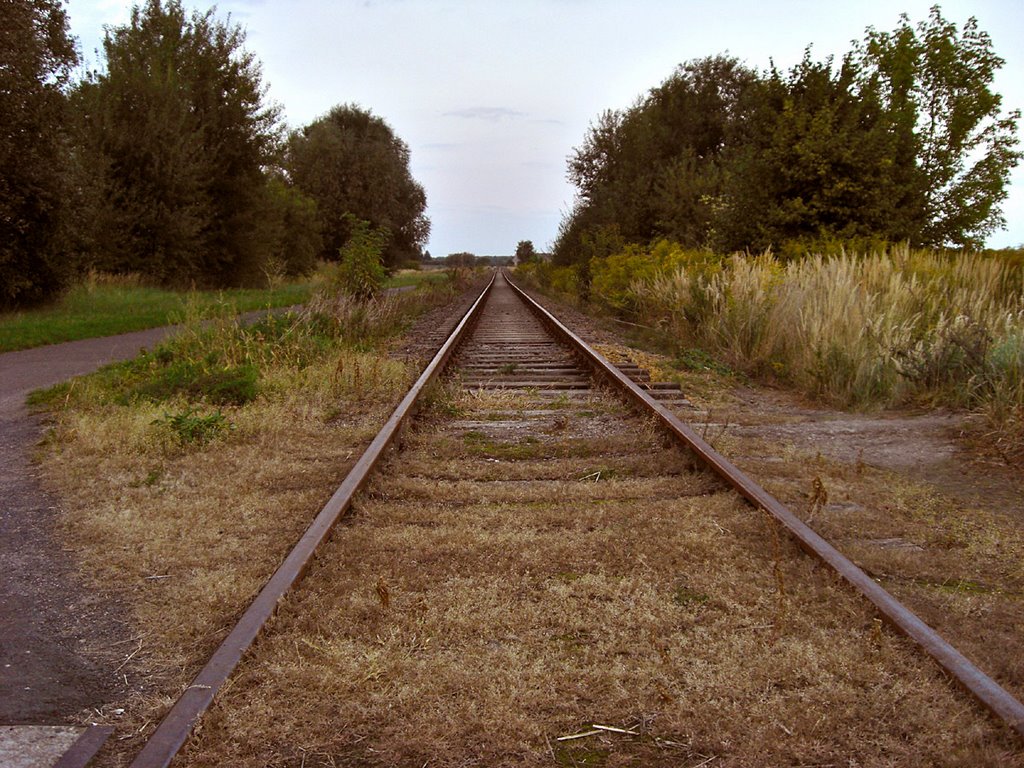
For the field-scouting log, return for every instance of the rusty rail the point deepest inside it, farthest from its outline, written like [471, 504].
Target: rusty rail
[996, 698]
[165, 742]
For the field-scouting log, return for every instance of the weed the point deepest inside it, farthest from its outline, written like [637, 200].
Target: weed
[961, 586]
[559, 402]
[360, 271]
[696, 359]
[228, 385]
[819, 496]
[191, 427]
[862, 331]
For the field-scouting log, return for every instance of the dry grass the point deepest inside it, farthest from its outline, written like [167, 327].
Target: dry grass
[959, 566]
[867, 330]
[453, 622]
[184, 533]
[852, 330]
[457, 623]
[185, 537]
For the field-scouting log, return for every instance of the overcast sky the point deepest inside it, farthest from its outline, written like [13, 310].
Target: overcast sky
[492, 95]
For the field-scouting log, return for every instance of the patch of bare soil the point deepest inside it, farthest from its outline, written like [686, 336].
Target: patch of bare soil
[933, 447]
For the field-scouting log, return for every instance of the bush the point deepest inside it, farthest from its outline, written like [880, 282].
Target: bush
[361, 274]
[217, 385]
[189, 427]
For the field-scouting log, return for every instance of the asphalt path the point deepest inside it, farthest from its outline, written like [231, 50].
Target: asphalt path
[48, 618]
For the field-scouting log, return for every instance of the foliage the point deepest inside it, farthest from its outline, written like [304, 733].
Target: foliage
[889, 327]
[339, 315]
[813, 163]
[902, 140]
[198, 380]
[615, 277]
[291, 228]
[175, 135]
[360, 273]
[351, 162]
[653, 170]
[937, 98]
[104, 305]
[36, 57]
[190, 427]
[525, 252]
[461, 259]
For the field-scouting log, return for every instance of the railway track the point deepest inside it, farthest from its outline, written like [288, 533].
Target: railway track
[542, 576]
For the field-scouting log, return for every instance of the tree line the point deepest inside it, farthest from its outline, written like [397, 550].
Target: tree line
[170, 162]
[903, 140]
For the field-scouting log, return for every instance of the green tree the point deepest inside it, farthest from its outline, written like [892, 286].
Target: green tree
[351, 162]
[936, 85]
[461, 259]
[525, 252]
[36, 57]
[177, 126]
[654, 170]
[813, 162]
[290, 228]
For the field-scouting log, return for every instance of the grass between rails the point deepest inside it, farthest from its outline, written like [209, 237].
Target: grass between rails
[456, 622]
[186, 474]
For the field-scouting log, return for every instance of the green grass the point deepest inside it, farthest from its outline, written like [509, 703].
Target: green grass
[407, 277]
[111, 307]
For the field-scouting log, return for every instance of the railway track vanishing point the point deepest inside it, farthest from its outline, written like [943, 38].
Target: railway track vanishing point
[509, 351]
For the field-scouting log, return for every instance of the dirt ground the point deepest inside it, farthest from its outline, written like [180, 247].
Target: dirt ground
[936, 448]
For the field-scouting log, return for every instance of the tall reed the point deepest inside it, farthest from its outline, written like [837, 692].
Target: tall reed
[880, 329]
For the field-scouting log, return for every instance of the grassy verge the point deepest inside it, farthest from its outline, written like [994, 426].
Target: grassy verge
[186, 473]
[904, 327]
[407, 277]
[108, 306]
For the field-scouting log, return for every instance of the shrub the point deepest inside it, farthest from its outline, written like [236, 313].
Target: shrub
[361, 273]
[217, 385]
[190, 427]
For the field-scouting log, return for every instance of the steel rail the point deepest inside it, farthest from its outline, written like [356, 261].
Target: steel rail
[996, 698]
[89, 742]
[165, 742]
